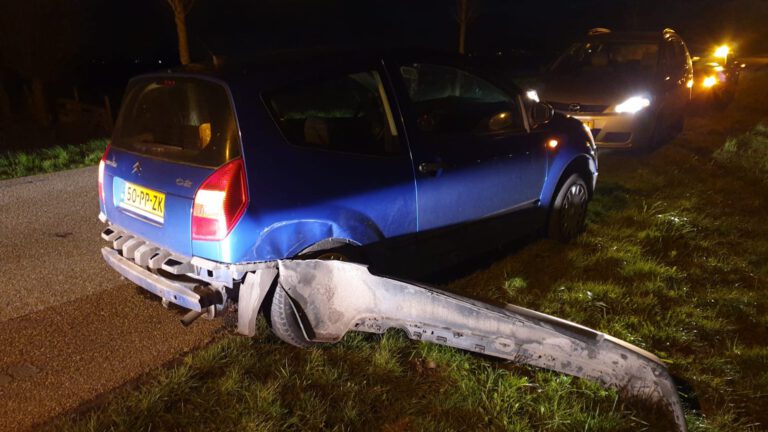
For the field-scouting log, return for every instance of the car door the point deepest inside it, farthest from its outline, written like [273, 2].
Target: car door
[343, 171]
[685, 66]
[675, 73]
[473, 155]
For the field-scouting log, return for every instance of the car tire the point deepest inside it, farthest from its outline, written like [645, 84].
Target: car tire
[285, 323]
[657, 138]
[568, 214]
[722, 98]
[646, 145]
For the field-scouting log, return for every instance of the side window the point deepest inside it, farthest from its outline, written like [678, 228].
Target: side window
[448, 100]
[348, 113]
[674, 56]
[668, 54]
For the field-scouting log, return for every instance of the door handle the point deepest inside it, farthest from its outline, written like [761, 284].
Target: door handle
[431, 168]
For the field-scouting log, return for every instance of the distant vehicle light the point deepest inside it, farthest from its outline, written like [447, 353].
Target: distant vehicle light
[722, 51]
[598, 31]
[532, 95]
[552, 144]
[633, 105]
[689, 84]
[709, 81]
[719, 68]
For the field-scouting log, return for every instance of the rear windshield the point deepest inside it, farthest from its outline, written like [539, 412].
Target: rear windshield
[608, 55]
[184, 120]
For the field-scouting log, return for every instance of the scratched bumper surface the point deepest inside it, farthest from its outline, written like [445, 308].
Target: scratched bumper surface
[333, 297]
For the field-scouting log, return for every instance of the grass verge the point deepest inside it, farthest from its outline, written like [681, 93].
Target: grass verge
[748, 151]
[20, 164]
[383, 382]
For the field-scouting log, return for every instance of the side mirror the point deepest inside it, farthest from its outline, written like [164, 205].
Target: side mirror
[541, 113]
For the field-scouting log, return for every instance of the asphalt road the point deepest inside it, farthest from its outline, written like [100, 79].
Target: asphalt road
[49, 241]
[70, 328]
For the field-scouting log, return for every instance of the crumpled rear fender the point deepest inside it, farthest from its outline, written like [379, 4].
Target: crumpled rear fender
[288, 239]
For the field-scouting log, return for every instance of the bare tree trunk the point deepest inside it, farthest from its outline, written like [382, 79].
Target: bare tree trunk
[181, 31]
[180, 10]
[463, 18]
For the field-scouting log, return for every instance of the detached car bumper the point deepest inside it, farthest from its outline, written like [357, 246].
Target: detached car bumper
[618, 130]
[185, 294]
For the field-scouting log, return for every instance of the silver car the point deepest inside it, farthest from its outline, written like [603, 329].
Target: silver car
[630, 88]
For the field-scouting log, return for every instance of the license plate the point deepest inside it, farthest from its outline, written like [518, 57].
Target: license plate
[589, 123]
[146, 202]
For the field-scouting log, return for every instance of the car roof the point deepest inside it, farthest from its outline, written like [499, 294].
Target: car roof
[266, 70]
[631, 36]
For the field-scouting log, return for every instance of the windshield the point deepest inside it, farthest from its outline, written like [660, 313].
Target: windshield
[608, 56]
[180, 119]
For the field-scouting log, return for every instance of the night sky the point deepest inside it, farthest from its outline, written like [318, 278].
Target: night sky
[114, 31]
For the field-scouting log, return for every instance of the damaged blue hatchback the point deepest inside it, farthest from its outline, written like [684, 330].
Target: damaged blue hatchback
[212, 171]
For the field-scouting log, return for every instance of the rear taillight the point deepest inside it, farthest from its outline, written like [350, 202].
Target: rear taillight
[101, 174]
[220, 202]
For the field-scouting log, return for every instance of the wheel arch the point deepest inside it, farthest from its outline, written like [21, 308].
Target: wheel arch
[581, 164]
[288, 240]
[327, 244]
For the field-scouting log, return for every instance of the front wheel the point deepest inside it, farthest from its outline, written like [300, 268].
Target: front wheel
[567, 218]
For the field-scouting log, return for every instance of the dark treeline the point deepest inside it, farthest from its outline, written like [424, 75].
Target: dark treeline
[85, 50]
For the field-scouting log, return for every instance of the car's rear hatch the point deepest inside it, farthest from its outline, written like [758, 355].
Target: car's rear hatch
[171, 134]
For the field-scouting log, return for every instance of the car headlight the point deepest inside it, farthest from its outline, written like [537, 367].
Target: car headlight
[532, 95]
[633, 104]
[709, 81]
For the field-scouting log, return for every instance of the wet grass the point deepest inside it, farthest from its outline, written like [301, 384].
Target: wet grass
[380, 382]
[748, 151]
[25, 163]
[673, 260]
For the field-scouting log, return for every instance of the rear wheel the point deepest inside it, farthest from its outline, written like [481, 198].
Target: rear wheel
[567, 218]
[285, 324]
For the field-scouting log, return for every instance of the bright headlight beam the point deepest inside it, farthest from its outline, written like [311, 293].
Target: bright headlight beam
[532, 95]
[722, 51]
[709, 81]
[633, 105]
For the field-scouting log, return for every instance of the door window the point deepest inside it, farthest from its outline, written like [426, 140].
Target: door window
[675, 60]
[447, 100]
[348, 113]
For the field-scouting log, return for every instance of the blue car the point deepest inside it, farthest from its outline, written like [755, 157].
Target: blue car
[378, 158]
